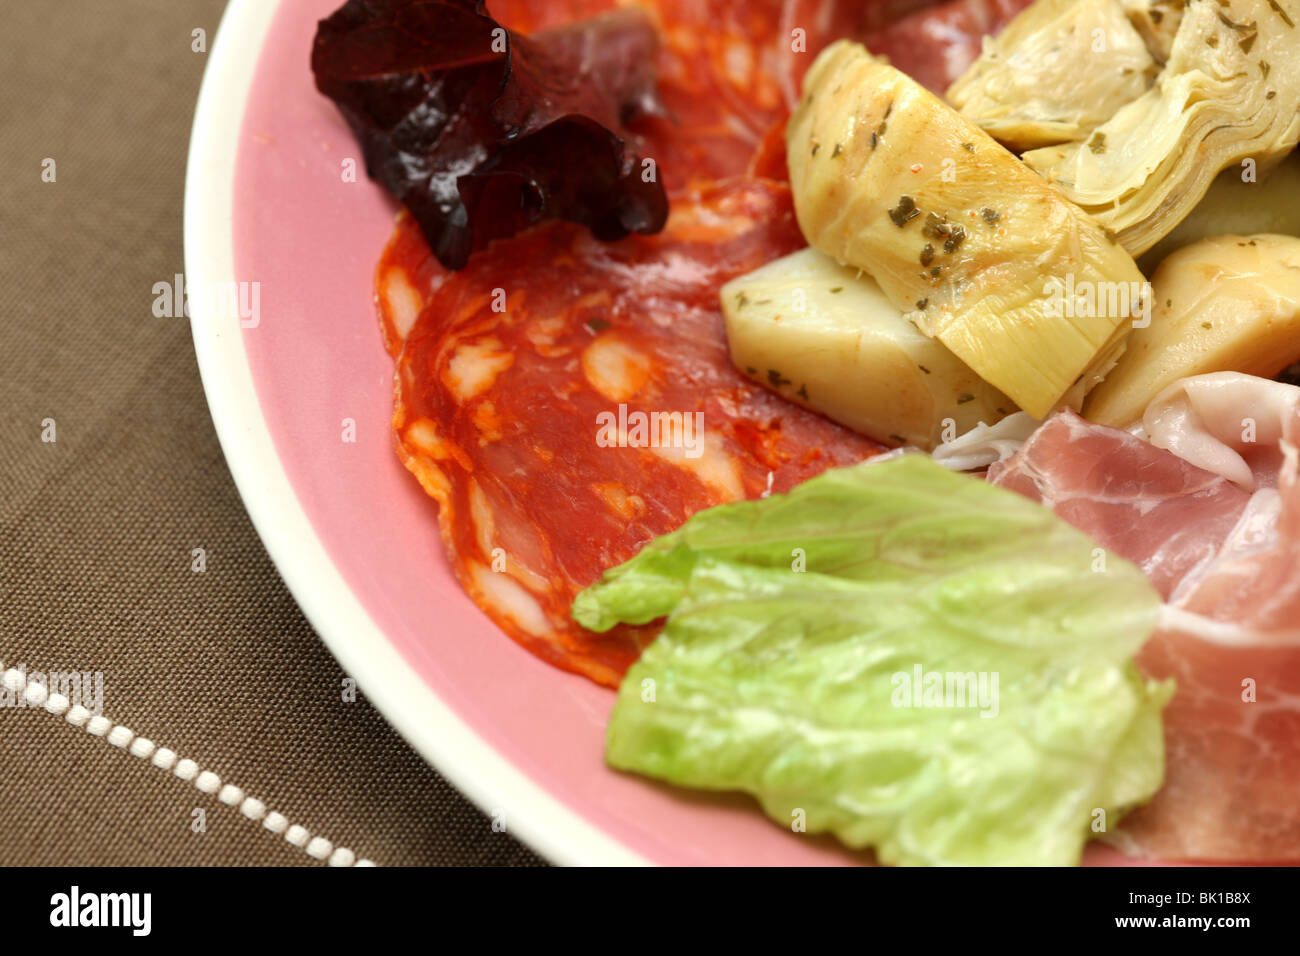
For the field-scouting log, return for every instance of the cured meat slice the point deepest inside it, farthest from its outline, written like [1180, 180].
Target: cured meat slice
[932, 41]
[1232, 753]
[719, 76]
[1234, 647]
[935, 45]
[406, 279]
[1229, 561]
[497, 410]
[492, 403]
[1145, 504]
[566, 400]
[730, 70]
[1239, 426]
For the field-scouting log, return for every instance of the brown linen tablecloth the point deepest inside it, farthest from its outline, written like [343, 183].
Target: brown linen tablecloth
[97, 526]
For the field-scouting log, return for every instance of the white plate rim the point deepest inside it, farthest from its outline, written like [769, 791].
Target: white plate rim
[427, 723]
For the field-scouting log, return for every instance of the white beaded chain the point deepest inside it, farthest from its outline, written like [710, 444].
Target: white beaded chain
[123, 738]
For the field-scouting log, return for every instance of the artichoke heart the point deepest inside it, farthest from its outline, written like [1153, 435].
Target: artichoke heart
[1268, 203]
[1227, 304]
[824, 336]
[1229, 93]
[1018, 282]
[1060, 69]
[1157, 22]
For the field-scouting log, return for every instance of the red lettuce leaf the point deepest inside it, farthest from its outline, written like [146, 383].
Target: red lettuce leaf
[482, 132]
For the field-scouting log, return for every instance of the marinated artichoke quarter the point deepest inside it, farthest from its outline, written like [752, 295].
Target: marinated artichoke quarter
[1229, 94]
[1157, 21]
[1058, 71]
[1227, 304]
[961, 237]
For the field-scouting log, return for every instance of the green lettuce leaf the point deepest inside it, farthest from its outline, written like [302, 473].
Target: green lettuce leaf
[805, 636]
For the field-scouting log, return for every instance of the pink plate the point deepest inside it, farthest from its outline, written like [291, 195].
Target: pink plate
[352, 534]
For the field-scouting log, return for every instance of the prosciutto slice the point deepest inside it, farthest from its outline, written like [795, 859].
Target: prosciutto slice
[1217, 528]
[1145, 504]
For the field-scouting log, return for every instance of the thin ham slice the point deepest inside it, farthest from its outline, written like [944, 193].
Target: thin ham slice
[1234, 640]
[1246, 429]
[1226, 554]
[1162, 513]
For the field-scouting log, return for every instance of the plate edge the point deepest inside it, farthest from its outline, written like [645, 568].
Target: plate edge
[468, 762]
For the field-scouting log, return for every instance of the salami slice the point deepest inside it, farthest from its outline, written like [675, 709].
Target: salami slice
[933, 41]
[936, 44]
[720, 70]
[730, 70]
[567, 400]
[721, 65]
